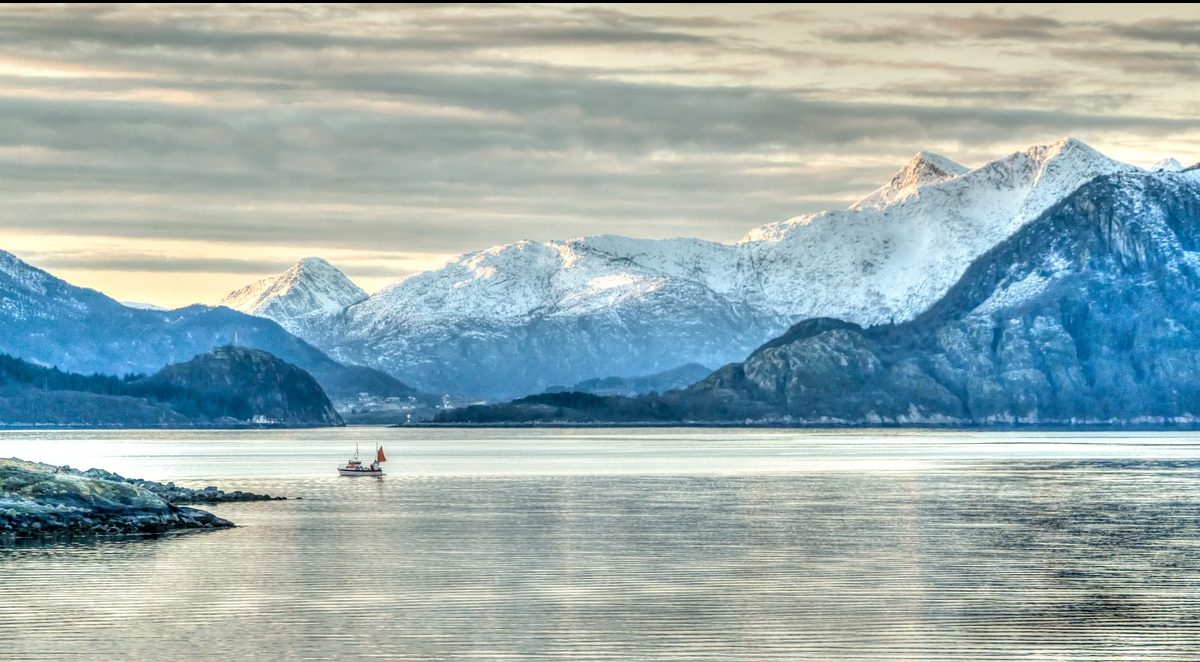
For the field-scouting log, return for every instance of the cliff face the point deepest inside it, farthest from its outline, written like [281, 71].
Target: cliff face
[1087, 315]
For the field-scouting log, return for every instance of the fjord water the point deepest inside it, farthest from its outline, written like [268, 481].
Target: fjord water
[632, 544]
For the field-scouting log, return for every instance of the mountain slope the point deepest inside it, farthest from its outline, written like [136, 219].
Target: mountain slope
[527, 316]
[1088, 315]
[300, 299]
[520, 317]
[49, 321]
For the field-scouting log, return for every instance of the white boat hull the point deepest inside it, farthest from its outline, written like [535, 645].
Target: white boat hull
[359, 472]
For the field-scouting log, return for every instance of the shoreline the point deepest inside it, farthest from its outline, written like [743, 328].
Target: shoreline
[45, 501]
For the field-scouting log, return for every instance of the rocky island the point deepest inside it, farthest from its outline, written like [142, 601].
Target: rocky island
[43, 500]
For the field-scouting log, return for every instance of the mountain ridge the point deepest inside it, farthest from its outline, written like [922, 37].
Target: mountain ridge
[52, 322]
[517, 318]
[1088, 316]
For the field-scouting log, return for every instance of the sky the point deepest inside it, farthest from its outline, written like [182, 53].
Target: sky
[170, 154]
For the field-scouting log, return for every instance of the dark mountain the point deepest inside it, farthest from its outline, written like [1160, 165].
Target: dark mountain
[241, 383]
[226, 386]
[49, 321]
[1087, 315]
[667, 380]
[573, 407]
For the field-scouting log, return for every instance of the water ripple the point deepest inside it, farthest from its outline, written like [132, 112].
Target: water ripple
[1076, 559]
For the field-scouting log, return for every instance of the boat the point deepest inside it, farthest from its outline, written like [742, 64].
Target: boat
[355, 467]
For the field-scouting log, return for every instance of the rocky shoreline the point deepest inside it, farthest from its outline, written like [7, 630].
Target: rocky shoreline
[175, 494]
[44, 501]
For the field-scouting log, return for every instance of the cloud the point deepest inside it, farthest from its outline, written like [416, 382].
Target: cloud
[998, 26]
[943, 27]
[1173, 65]
[407, 31]
[442, 129]
[579, 160]
[154, 263]
[158, 263]
[1164, 30]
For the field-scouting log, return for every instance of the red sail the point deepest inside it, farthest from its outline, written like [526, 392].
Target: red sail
[379, 456]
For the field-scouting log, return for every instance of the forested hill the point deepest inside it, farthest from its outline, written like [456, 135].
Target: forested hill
[228, 386]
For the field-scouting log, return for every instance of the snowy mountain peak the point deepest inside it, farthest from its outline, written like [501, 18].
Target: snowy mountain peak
[311, 287]
[923, 169]
[313, 262]
[1067, 159]
[1061, 148]
[1167, 165]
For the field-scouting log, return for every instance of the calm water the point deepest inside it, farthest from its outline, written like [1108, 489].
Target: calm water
[633, 544]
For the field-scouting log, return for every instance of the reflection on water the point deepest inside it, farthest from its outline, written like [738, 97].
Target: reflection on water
[926, 552]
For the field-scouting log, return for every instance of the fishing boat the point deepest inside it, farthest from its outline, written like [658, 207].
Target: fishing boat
[355, 467]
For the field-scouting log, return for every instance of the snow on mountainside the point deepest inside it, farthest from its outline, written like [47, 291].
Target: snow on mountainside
[142, 305]
[1168, 164]
[312, 288]
[513, 282]
[1086, 315]
[924, 169]
[28, 294]
[516, 318]
[875, 265]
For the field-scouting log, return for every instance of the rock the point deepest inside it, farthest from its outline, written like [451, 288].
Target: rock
[44, 500]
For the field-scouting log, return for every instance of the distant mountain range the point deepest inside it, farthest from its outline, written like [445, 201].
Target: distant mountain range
[1087, 315]
[519, 318]
[667, 380]
[227, 386]
[50, 322]
[850, 316]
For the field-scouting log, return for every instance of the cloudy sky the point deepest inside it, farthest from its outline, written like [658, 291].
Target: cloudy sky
[169, 154]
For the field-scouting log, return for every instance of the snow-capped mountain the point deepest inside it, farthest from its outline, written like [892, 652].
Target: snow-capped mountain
[48, 321]
[516, 318]
[888, 263]
[299, 299]
[1087, 315]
